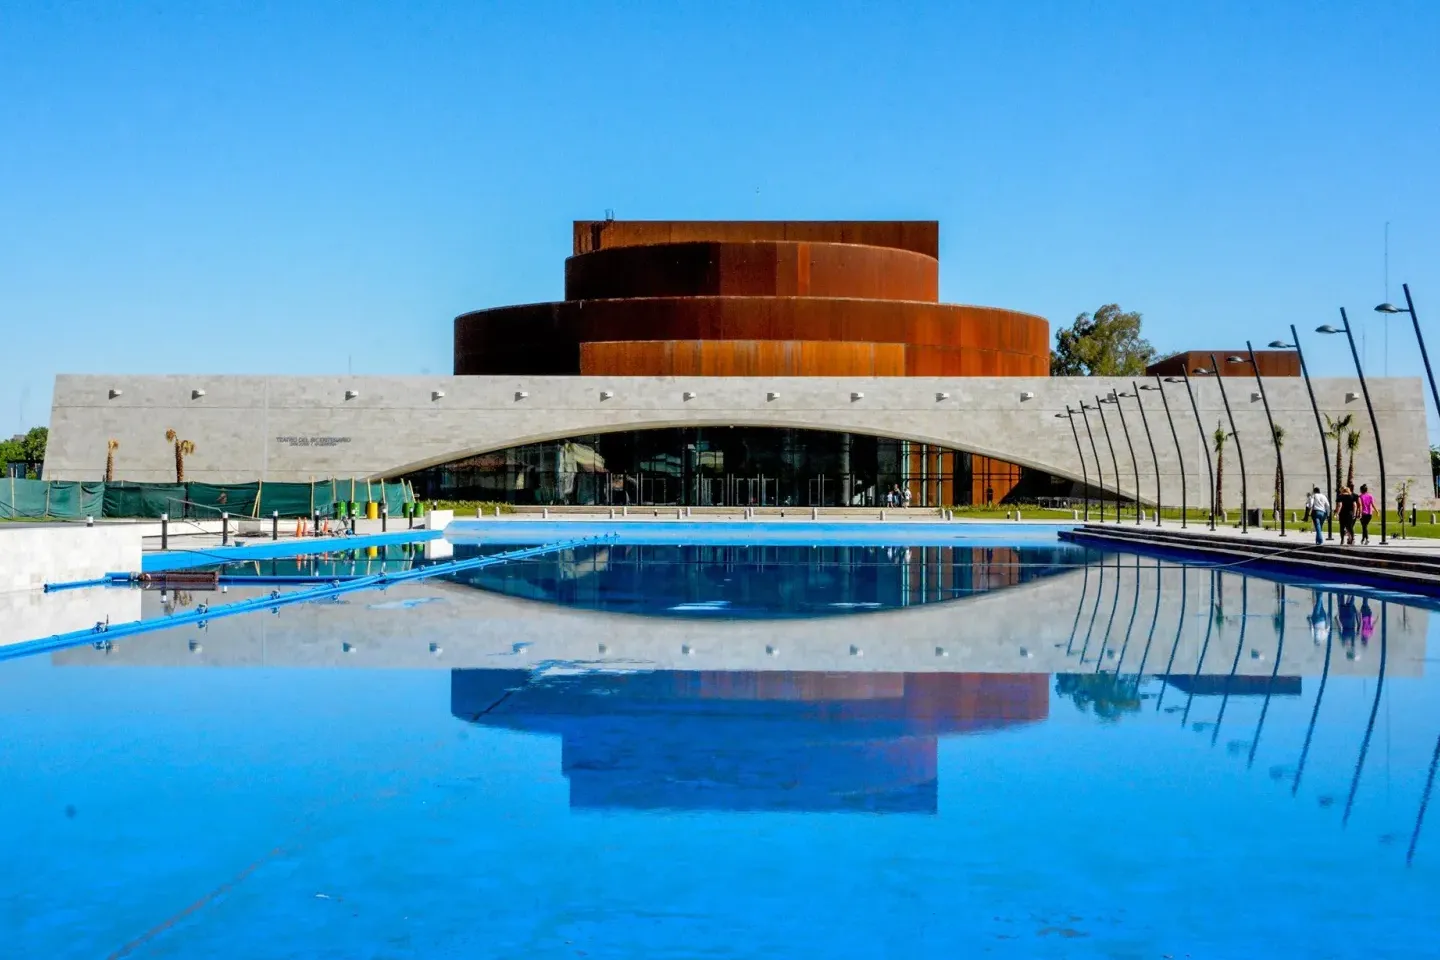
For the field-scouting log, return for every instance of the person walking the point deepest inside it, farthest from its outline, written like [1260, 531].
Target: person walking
[1367, 510]
[1319, 506]
[1348, 505]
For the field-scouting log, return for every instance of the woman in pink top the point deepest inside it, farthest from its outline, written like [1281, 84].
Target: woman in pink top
[1367, 510]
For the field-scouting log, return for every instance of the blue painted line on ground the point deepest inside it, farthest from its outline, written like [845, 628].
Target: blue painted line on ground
[906, 533]
[204, 613]
[275, 549]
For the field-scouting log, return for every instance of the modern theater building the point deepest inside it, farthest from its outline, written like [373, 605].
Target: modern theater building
[727, 363]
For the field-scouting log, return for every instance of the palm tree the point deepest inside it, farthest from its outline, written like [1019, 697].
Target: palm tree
[183, 449]
[111, 446]
[1352, 443]
[1279, 478]
[1220, 437]
[1335, 428]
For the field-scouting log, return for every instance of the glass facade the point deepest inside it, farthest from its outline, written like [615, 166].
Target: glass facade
[731, 467]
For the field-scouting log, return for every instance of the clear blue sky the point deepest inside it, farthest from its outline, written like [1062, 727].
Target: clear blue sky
[289, 187]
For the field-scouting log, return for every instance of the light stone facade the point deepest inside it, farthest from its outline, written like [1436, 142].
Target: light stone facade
[303, 428]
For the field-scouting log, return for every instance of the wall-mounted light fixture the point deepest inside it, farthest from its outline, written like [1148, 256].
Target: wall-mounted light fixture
[1351, 396]
[606, 394]
[857, 395]
[941, 396]
[196, 394]
[772, 395]
[351, 394]
[1255, 396]
[521, 395]
[1027, 395]
[115, 392]
[437, 394]
[689, 394]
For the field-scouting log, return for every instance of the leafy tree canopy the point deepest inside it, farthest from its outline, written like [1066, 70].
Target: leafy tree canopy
[27, 449]
[1105, 344]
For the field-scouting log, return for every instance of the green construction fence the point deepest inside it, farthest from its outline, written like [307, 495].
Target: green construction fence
[76, 500]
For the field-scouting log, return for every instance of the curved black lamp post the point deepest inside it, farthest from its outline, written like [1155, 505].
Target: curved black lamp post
[1415, 321]
[1099, 473]
[1159, 384]
[1135, 388]
[1369, 407]
[1100, 406]
[1319, 426]
[1134, 464]
[1264, 398]
[1239, 447]
[1084, 473]
[1204, 443]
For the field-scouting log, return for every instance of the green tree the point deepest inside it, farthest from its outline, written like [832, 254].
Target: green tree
[1279, 487]
[1435, 467]
[1335, 428]
[1221, 438]
[1106, 695]
[29, 448]
[1105, 344]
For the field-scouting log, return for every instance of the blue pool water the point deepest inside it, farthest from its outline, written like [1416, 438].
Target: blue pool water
[625, 750]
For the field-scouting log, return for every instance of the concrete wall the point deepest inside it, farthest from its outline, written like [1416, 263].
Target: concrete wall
[302, 428]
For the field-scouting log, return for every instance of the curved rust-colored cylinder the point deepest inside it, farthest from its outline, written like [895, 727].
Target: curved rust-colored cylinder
[917, 236]
[959, 340]
[766, 268]
[741, 358]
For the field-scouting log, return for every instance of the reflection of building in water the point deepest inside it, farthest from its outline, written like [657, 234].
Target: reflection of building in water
[748, 740]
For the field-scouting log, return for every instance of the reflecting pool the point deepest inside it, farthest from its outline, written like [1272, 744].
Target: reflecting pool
[693, 751]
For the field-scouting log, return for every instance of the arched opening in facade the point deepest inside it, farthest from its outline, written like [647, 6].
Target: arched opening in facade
[734, 467]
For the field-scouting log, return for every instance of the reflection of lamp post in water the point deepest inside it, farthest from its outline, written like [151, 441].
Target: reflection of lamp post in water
[1134, 609]
[1200, 660]
[1235, 665]
[1179, 631]
[1374, 709]
[1424, 802]
[1326, 617]
[1154, 623]
[1274, 672]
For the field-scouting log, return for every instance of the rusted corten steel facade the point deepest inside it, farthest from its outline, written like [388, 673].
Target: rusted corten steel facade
[813, 298]
[762, 298]
[1272, 363]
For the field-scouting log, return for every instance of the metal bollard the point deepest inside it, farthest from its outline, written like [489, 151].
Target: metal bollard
[544, 513]
[164, 531]
[224, 529]
[612, 513]
[497, 509]
[679, 514]
[409, 516]
[814, 513]
[274, 524]
[882, 514]
[384, 517]
[315, 524]
[89, 521]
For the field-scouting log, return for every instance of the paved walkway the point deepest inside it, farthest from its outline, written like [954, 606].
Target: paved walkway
[1419, 546]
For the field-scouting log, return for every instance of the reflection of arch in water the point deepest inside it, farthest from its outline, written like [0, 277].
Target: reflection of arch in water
[747, 740]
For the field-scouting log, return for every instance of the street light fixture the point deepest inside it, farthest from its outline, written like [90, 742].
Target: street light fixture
[1084, 472]
[1264, 398]
[1239, 447]
[1204, 446]
[1415, 321]
[1099, 473]
[1319, 426]
[1135, 464]
[1099, 405]
[1369, 407]
[1136, 388]
[1159, 385]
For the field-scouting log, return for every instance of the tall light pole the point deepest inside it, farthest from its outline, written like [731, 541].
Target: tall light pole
[1099, 473]
[1159, 385]
[1319, 426]
[1264, 398]
[1239, 447]
[1135, 464]
[1204, 444]
[1415, 321]
[1100, 406]
[1080, 452]
[1369, 407]
[1135, 392]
